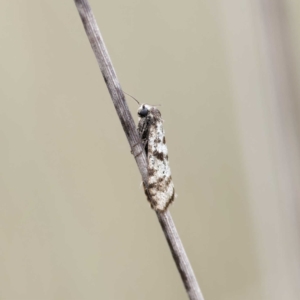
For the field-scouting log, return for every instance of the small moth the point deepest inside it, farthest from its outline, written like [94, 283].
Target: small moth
[159, 188]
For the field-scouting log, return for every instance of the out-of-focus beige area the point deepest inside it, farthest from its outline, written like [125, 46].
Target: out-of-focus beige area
[74, 221]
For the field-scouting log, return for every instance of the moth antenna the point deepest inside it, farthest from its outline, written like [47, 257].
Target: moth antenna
[138, 101]
[132, 98]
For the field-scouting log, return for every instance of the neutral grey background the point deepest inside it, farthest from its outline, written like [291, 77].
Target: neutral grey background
[74, 222]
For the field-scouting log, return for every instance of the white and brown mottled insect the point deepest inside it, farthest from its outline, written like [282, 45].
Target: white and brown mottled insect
[159, 188]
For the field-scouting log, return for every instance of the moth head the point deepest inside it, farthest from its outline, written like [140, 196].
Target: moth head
[143, 111]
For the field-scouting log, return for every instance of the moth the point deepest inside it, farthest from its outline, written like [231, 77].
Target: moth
[159, 189]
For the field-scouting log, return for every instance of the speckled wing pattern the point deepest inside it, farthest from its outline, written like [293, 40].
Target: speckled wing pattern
[160, 188]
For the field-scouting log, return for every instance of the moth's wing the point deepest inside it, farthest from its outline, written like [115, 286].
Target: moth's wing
[143, 131]
[160, 186]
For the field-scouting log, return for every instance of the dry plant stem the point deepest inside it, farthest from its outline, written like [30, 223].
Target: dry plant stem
[117, 96]
[182, 262]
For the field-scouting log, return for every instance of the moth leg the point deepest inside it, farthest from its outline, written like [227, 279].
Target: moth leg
[143, 142]
[138, 154]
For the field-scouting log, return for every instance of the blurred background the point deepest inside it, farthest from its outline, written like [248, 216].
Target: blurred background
[74, 221]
